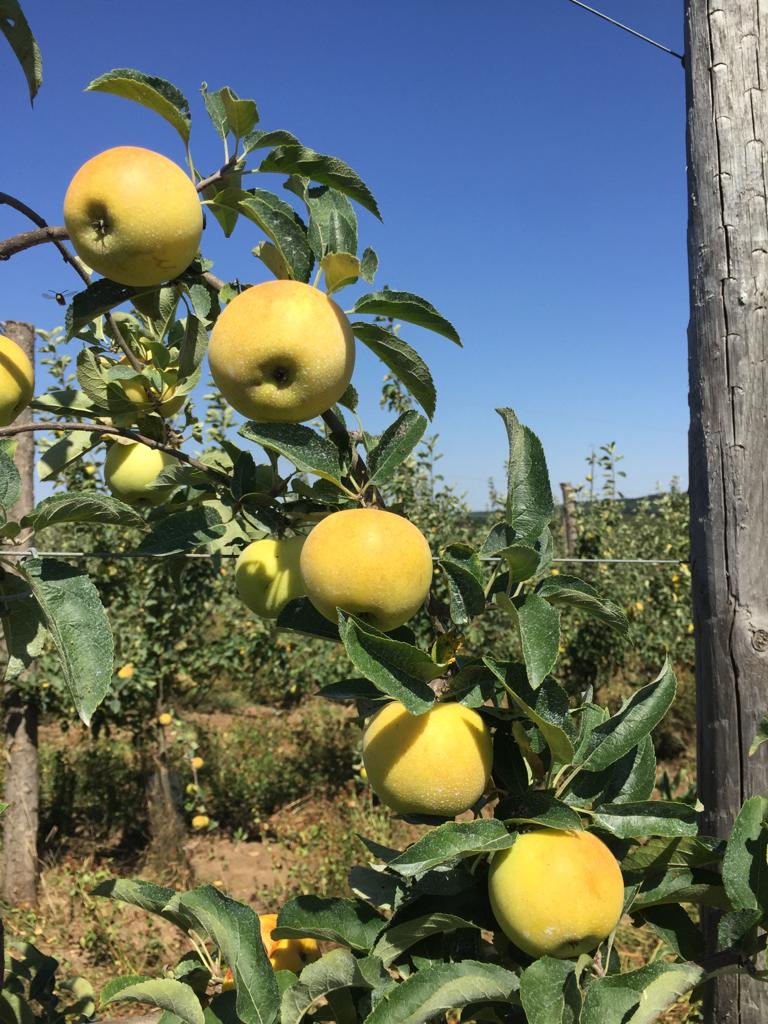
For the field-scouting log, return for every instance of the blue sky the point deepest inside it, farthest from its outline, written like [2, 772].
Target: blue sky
[528, 159]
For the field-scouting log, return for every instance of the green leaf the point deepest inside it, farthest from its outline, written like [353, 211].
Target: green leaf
[660, 854]
[550, 993]
[631, 778]
[10, 481]
[335, 971]
[680, 886]
[83, 507]
[408, 307]
[647, 991]
[404, 361]
[169, 995]
[348, 922]
[547, 707]
[68, 449]
[535, 807]
[665, 990]
[309, 451]
[301, 616]
[736, 928]
[647, 818]
[146, 895]
[155, 93]
[332, 223]
[464, 573]
[94, 301]
[193, 347]
[575, 593]
[272, 259]
[523, 560]
[183, 531]
[242, 115]
[277, 220]
[24, 628]
[397, 669]
[428, 993]
[761, 736]
[78, 624]
[676, 928]
[234, 929]
[450, 842]
[16, 30]
[397, 938]
[327, 170]
[260, 139]
[395, 445]
[530, 506]
[539, 626]
[369, 264]
[624, 730]
[745, 864]
[340, 269]
[68, 400]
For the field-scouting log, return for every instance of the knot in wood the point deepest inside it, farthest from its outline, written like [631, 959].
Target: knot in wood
[760, 640]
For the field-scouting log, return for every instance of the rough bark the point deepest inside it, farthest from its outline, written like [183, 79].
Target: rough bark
[22, 785]
[727, 104]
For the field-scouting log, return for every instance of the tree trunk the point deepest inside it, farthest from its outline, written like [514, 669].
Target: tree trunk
[22, 783]
[726, 55]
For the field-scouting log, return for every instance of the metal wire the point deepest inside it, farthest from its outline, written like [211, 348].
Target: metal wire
[108, 555]
[631, 31]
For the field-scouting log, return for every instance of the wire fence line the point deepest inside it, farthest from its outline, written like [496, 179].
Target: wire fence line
[108, 555]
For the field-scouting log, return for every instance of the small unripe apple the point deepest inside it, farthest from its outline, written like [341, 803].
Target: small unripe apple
[134, 216]
[17, 380]
[370, 562]
[164, 719]
[437, 763]
[136, 393]
[200, 821]
[282, 351]
[267, 575]
[556, 893]
[129, 469]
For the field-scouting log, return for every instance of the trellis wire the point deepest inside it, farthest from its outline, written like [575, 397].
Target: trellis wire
[626, 28]
[34, 553]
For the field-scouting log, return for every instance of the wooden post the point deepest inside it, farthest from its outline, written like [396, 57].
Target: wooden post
[569, 519]
[727, 104]
[22, 784]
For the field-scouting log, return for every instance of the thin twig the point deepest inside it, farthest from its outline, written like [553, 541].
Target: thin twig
[222, 172]
[131, 435]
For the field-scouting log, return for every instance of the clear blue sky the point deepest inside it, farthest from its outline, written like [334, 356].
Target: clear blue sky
[528, 159]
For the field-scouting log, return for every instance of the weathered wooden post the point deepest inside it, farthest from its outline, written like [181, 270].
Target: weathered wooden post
[727, 105]
[20, 821]
[569, 518]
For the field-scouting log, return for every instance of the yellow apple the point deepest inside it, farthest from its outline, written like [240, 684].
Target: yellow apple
[267, 575]
[286, 954]
[129, 469]
[437, 763]
[556, 893]
[282, 351]
[134, 216]
[17, 380]
[370, 562]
